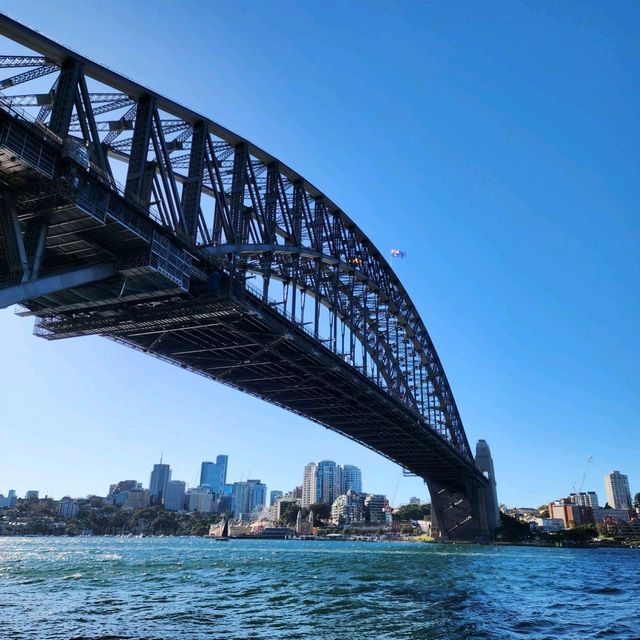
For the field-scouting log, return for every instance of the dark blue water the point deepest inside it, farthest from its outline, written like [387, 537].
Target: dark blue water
[194, 588]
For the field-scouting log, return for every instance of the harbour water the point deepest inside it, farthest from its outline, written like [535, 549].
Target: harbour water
[195, 588]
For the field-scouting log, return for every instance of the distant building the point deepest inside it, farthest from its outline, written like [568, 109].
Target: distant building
[328, 483]
[273, 496]
[414, 500]
[282, 505]
[214, 474]
[348, 508]
[137, 498]
[309, 484]
[32, 494]
[248, 497]
[351, 479]
[375, 508]
[68, 507]
[257, 496]
[9, 501]
[123, 485]
[571, 514]
[174, 495]
[200, 499]
[160, 475]
[585, 499]
[600, 514]
[618, 494]
[549, 524]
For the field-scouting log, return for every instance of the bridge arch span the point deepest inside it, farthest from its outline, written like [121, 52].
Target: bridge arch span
[127, 215]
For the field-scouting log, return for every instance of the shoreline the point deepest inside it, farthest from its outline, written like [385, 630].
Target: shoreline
[613, 544]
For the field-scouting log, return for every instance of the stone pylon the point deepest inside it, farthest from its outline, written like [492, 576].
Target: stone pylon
[484, 462]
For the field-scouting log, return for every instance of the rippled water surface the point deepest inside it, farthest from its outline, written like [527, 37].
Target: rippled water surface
[183, 588]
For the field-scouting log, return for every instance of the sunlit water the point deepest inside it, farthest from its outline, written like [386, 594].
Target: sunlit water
[193, 588]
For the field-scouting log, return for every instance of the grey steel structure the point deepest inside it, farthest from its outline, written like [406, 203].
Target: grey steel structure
[127, 215]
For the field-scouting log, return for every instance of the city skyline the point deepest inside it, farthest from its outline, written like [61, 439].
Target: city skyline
[531, 302]
[616, 490]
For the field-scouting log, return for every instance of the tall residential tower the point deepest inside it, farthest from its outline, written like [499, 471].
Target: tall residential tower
[618, 494]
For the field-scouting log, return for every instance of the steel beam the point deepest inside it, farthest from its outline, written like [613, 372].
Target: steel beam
[140, 148]
[53, 283]
[65, 97]
[192, 187]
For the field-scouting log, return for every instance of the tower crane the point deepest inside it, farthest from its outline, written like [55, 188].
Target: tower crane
[584, 475]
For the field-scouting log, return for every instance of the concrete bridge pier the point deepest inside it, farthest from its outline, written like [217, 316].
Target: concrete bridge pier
[462, 509]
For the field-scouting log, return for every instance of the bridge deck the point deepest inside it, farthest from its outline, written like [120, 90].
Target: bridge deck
[244, 343]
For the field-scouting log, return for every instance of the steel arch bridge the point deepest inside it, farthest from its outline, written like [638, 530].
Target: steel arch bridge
[127, 215]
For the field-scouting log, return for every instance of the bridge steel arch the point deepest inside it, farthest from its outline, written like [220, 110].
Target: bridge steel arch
[127, 215]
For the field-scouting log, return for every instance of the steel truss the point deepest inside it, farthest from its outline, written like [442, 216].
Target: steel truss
[277, 240]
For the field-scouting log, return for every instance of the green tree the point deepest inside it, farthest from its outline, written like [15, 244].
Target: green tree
[543, 511]
[321, 511]
[511, 529]
[413, 511]
[290, 514]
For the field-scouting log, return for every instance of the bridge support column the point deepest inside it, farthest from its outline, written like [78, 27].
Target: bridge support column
[457, 510]
[484, 461]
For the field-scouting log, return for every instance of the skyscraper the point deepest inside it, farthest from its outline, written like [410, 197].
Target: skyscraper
[240, 499]
[248, 497]
[328, 485]
[273, 496]
[160, 475]
[214, 474]
[352, 479]
[257, 495]
[618, 494]
[309, 484]
[174, 495]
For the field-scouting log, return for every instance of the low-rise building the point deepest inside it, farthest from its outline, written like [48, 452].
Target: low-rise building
[600, 514]
[549, 524]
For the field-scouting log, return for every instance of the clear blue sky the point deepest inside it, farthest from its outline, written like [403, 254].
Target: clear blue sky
[496, 143]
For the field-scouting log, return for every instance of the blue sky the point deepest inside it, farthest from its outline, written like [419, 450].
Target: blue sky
[496, 143]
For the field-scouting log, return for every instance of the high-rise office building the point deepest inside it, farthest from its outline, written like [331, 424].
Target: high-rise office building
[351, 479]
[273, 496]
[174, 495]
[618, 494]
[160, 475]
[309, 484]
[214, 474]
[257, 495]
[328, 485]
[248, 497]
[240, 499]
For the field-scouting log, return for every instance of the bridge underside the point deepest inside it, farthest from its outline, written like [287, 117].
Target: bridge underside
[231, 336]
[236, 339]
